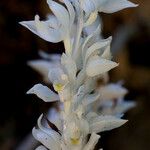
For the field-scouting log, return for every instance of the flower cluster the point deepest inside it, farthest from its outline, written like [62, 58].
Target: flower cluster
[85, 108]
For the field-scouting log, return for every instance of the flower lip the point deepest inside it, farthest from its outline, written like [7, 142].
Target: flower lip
[74, 141]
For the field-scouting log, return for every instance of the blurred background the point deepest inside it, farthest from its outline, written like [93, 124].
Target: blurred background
[19, 112]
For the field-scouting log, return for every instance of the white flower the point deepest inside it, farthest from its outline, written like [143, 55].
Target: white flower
[71, 137]
[61, 83]
[74, 131]
[57, 28]
[111, 100]
[117, 109]
[112, 91]
[58, 78]
[42, 66]
[97, 123]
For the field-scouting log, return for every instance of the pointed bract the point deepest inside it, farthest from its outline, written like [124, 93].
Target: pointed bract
[115, 5]
[44, 93]
[97, 47]
[60, 12]
[97, 66]
[50, 141]
[69, 66]
[47, 30]
[105, 123]
[106, 6]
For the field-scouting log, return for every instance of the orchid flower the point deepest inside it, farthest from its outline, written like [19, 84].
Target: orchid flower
[74, 131]
[57, 28]
[112, 100]
[42, 66]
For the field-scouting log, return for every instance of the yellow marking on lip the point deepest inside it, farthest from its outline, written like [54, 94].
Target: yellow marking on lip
[74, 141]
[58, 87]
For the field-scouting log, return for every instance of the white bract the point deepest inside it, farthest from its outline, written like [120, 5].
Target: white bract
[44, 93]
[74, 75]
[106, 6]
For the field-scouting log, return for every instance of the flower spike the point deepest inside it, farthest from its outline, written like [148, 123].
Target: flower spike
[85, 107]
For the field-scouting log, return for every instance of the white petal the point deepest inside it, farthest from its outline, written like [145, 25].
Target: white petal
[71, 11]
[80, 79]
[44, 93]
[78, 58]
[69, 66]
[123, 107]
[44, 55]
[89, 38]
[41, 148]
[90, 98]
[60, 12]
[30, 25]
[55, 117]
[97, 66]
[92, 27]
[50, 141]
[52, 21]
[81, 92]
[105, 123]
[106, 6]
[91, 18]
[88, 6]
[107, 108]
[46, 32]
[107, 53]
[97, 46]
[42, 67]
[51, 57]
[43, 29]
[55, 74]
[48, 131]
[92, 142]
[110, 6]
